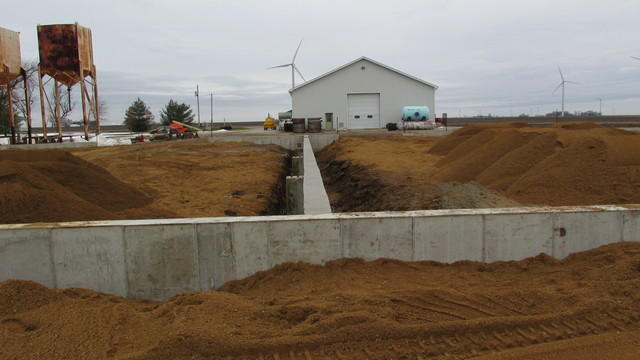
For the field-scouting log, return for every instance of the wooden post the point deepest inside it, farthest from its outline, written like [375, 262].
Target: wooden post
[85, 119]
[92, 105]
[42, 109]
[12, 123]
[96, 102]
[27, 104]
[57, 109]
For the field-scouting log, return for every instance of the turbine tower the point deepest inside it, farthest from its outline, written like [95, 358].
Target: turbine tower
[294, 68]
[562, 85]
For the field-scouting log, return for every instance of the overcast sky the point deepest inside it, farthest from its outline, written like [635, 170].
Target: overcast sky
[498, 57]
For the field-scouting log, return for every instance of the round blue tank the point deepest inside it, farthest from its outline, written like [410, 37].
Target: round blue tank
[415, 113]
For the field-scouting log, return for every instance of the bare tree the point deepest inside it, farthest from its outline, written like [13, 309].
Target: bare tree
[67, 104]
[18, 97]
[31, 72]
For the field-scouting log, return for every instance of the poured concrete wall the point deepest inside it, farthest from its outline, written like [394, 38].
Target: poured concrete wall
[49, 146]
[156, 259]
[316, 200]
[288, 141]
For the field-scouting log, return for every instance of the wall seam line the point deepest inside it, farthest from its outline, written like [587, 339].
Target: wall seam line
[54, 274]
[126, 262]
[484, 240]
[196, 250]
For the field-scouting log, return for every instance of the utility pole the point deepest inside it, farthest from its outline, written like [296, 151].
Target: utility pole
[600, 106]
[198, 102]
[211, 94]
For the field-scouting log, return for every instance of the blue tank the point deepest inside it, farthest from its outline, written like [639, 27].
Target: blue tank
[415, 113]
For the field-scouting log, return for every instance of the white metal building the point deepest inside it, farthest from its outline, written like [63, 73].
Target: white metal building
[361, 94]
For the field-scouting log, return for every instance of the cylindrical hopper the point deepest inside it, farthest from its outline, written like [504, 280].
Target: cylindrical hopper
[66, 52]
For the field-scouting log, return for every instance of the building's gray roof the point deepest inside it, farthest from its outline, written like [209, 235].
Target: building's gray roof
[371, 61]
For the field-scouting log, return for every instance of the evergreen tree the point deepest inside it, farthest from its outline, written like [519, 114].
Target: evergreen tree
[176, 112]
[138, 117]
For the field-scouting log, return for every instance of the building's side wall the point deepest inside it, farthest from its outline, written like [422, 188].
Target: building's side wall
[329, 94]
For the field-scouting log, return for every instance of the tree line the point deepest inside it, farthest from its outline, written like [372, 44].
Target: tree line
[138, 117]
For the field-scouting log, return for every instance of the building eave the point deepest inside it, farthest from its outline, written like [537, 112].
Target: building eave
[371, 61]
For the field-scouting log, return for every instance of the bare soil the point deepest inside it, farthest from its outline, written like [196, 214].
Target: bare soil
[163, 180]
[485, 166]
[583, 307]
[195, 178]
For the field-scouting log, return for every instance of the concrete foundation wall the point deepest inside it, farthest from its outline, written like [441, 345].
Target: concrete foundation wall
[288, 141]
[49, 146]
[316, 200]
[295, 195]
[156, 259]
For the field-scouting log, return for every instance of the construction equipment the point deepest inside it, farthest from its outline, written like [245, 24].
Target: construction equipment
[176, 130]
[269, 123]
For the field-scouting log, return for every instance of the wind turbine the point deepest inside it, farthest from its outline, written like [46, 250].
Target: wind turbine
[635, 57]
[294, 68]
[562, 85]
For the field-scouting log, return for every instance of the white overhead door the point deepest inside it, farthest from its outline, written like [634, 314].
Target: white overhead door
[364, 111]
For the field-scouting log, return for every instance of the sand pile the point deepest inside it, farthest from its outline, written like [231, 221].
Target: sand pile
[570, 164]
[53, 185]
[349, 309]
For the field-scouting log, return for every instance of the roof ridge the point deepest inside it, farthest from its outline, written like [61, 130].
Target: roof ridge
[369, 60]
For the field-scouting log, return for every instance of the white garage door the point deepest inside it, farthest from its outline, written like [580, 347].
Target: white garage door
[364, 111]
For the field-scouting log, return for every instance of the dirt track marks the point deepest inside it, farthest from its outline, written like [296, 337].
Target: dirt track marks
[462, 339]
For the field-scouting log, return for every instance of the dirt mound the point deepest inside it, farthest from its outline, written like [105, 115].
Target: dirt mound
[20, 296]
[571, 164]
[394, 173]
[53, 185]
[350, 308]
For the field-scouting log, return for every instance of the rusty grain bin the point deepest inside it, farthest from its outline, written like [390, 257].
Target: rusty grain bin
[10, 61]
[66, 52]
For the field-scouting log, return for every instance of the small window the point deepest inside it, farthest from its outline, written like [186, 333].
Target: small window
[370, 116]
[357, 117]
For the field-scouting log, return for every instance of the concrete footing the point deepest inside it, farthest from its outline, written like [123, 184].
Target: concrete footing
[156, 259]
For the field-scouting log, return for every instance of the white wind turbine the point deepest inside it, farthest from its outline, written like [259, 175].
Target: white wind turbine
[294, 68]
[562, 85]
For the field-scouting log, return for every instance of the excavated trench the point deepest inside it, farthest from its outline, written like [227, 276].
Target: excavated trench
[354, 185]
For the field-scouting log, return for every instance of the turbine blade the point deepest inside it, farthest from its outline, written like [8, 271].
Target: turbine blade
[558, 87]
[279, 66]
[571, 82]
[560, 71]
[296, 53]
[635, 57]
[299, 73]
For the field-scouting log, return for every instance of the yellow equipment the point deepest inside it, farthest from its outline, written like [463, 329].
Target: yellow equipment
[269, 123]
